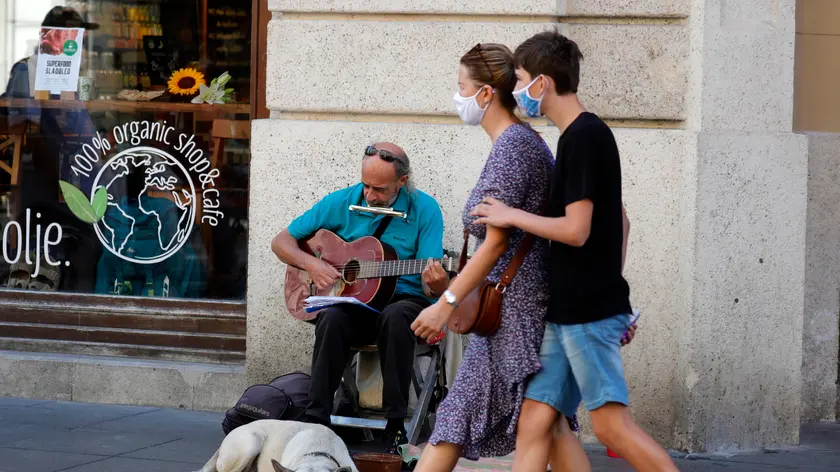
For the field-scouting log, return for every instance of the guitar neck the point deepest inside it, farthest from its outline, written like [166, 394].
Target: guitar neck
[375, 270]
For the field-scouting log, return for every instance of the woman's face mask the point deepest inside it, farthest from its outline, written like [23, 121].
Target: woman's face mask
[468, 108]
[529, 105]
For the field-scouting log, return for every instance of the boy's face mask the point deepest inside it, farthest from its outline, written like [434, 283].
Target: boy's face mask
[530, 106]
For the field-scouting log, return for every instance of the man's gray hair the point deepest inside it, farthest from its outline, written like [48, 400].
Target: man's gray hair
[403, 167]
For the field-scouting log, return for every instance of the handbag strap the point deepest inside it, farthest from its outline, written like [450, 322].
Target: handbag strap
[523, 250]
[462, 260]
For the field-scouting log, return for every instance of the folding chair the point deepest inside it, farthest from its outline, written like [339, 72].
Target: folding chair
[427, 386]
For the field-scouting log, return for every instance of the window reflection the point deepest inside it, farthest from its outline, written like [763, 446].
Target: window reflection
[123, 163]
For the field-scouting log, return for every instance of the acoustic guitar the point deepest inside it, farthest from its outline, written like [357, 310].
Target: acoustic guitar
[369, 270]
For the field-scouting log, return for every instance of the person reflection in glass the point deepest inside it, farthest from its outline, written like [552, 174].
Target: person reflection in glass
[22, 77]
[38, 191]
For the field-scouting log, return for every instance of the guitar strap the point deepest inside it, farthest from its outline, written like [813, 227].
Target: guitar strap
[383, 225]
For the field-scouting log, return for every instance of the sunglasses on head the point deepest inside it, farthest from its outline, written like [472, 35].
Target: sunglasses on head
[386, 156]
[477, 48]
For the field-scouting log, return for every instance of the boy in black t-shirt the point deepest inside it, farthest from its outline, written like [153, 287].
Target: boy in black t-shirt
[589, 310]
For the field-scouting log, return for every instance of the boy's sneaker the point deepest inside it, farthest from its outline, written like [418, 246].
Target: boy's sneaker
[394, 439]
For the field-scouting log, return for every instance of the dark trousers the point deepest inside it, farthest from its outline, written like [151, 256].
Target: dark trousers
[340, 327]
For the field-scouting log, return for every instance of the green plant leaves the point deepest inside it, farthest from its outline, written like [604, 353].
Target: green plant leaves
[100, 203]
[79, 204]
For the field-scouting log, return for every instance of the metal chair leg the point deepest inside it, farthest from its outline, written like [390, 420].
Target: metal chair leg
[349, 383]
[424, 387]
[353, 390]
[414, 380]
[420, 413]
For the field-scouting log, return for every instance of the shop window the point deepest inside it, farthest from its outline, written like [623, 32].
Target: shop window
[124, 148]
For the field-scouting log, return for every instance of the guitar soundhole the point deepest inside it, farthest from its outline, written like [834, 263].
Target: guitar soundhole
[351, 271]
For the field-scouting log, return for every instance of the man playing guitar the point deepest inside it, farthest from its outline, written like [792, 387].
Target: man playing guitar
[386, 182]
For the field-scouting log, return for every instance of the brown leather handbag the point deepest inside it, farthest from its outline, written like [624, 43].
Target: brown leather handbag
[480, 312]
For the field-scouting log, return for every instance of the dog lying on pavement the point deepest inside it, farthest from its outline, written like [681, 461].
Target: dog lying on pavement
[281, 446]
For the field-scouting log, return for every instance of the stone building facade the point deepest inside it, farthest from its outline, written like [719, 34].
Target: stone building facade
[700, 94]
[734, 252]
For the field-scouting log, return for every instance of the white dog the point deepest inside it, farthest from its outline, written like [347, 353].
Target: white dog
[281, 446]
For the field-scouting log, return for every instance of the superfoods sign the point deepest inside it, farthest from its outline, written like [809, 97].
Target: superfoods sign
[141, 190]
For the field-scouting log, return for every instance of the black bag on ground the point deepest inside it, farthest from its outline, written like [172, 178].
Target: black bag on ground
[284, 398]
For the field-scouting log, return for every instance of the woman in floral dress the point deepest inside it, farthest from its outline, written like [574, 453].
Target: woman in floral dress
[478, 418]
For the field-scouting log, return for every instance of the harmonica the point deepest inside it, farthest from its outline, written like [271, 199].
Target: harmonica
[379, 211]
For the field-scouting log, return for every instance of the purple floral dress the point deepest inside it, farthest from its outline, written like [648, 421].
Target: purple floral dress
[482, 408]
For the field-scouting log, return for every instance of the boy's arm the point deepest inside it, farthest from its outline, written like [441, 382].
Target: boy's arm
[578, 179]
[572, 229]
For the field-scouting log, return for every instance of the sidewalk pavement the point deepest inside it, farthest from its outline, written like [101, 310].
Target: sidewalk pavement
[51, 436]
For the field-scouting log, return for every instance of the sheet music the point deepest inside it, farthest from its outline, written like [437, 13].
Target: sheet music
[317, 303]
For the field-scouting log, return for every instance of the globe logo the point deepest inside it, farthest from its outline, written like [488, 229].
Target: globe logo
[151, 205]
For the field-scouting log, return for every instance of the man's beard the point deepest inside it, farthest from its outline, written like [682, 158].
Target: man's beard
[384, 204]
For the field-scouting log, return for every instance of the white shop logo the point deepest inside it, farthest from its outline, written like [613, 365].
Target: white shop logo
[144, 200]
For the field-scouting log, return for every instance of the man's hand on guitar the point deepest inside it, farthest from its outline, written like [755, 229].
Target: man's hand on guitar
[430, 321]
[323, 274]
[435, 278]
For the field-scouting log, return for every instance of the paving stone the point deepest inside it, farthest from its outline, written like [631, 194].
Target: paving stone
[124, 464]
[608, 464]
[195, 451]
[166, 421]
[66, 415]
[22, 402]
[822, 461]
[92, 442]
[13, 432]
[27, 460]
[59, 436]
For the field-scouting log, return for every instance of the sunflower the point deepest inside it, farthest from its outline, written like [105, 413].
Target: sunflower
[186, 82]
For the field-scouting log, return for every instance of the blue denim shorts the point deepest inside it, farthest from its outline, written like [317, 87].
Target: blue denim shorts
[581, 362]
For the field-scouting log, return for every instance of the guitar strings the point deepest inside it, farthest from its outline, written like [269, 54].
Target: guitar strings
[374, 264]
[380, 268]
[368, 264]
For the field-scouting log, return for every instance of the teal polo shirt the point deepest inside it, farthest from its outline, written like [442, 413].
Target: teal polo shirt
[420, 236]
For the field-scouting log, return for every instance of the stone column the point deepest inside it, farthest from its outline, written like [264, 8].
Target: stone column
[739, 377]
[822, 280]
[714, 182]
[816, 101]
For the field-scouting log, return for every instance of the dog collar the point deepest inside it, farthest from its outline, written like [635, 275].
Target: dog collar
[323, 454]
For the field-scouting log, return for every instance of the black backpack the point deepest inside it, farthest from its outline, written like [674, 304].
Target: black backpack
[284, 398]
